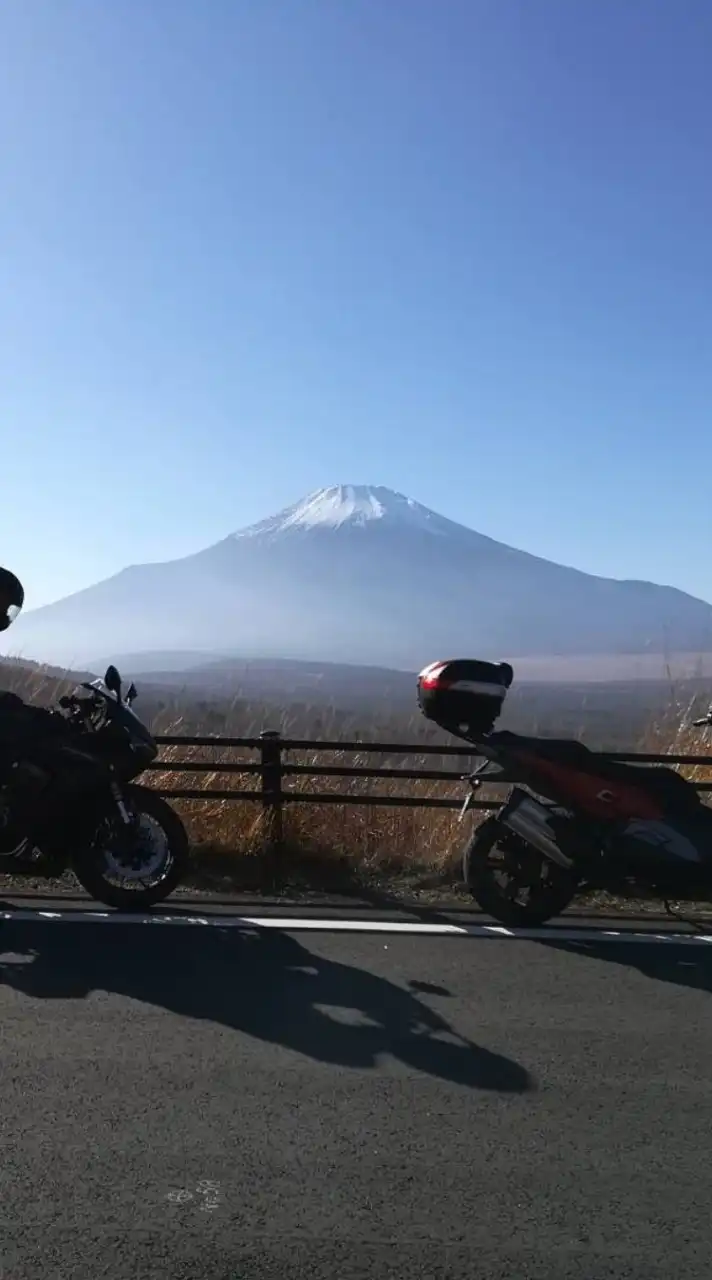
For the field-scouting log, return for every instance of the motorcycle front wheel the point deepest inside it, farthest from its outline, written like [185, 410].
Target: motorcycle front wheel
[134, 867]
[512, 881]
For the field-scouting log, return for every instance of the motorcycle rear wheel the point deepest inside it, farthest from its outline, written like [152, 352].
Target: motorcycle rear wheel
[149, 875]
[494, 851]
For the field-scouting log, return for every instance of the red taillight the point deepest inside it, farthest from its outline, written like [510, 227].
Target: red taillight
[430, 677]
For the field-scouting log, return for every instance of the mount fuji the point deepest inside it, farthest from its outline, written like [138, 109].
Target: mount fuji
[360, 574]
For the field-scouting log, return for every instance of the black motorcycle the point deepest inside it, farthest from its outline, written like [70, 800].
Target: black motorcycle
[574, 819]
[70, 802]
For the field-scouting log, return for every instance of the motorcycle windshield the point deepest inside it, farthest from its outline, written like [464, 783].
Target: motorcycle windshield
[101, 688]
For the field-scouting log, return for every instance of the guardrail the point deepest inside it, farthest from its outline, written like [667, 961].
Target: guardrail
[273, 768]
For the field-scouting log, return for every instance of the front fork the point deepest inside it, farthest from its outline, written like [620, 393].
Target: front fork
[118, 797]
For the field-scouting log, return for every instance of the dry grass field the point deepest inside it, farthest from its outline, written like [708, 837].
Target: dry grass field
[332, 844]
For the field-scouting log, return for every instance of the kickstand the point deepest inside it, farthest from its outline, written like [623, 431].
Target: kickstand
[697, 925]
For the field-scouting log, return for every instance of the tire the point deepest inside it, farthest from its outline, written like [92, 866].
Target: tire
[91, 868]
[552, 887]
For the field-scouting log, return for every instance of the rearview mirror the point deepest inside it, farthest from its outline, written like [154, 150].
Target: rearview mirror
[132, 694]
[112, 680]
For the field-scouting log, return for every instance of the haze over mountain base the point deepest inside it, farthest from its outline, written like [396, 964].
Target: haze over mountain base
[362, 575]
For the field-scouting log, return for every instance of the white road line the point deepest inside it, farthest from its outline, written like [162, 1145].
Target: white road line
[298, 924]
[354, 926]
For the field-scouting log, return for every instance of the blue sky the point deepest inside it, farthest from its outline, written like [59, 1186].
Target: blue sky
[249, 248]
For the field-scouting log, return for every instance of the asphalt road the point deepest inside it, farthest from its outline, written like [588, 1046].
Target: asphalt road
[213, 1104]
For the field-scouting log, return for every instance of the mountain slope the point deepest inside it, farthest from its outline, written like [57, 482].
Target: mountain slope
[359, 574]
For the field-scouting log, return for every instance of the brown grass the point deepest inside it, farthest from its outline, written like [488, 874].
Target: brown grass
[330, 845]
[340, 841]
[675, 735]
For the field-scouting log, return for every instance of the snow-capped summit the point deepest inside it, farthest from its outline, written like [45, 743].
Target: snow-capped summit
[349, 504]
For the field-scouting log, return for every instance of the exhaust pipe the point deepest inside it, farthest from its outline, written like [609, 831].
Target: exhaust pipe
[532, 822]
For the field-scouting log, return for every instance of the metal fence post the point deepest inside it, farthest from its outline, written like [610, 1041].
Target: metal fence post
[271, 774]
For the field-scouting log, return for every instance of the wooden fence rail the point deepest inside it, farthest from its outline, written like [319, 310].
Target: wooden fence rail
[273, 768]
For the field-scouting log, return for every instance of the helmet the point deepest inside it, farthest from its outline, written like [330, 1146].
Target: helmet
[12, 598]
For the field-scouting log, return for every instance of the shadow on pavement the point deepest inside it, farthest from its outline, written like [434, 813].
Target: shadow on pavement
[261, 982]
[685, 966]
